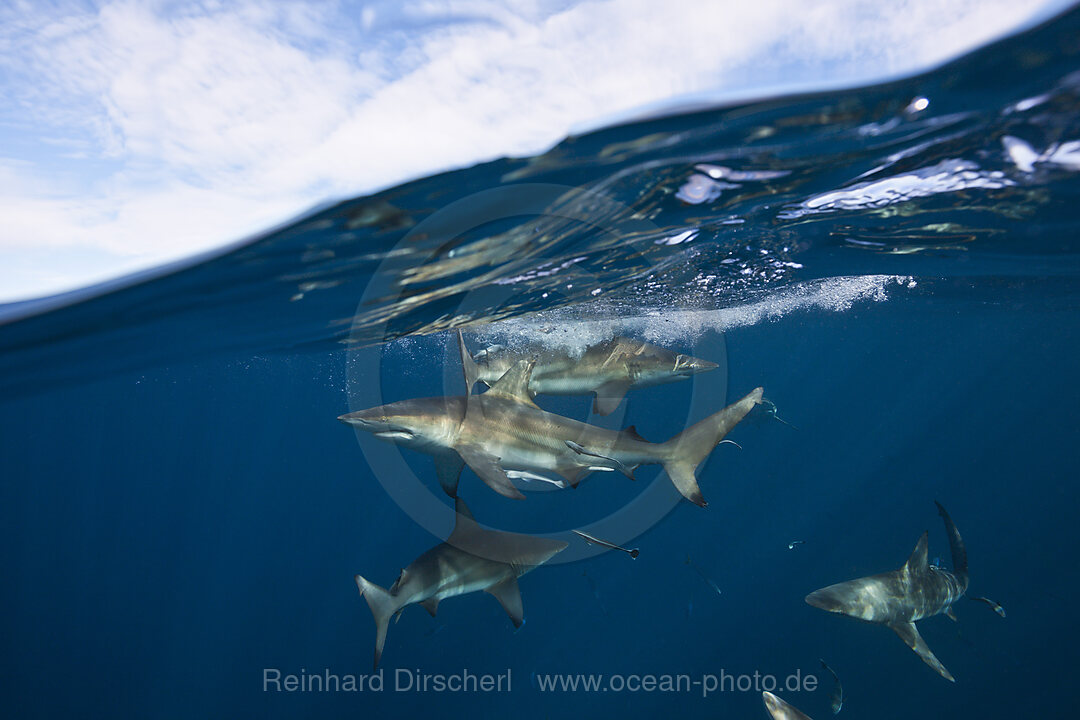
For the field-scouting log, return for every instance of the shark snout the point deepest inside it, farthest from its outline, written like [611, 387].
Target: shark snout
[826, 599]
[366, 420]
[379, 425]
[689, 365]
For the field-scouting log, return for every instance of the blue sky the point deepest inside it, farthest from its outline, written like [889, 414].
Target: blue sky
[134, 133]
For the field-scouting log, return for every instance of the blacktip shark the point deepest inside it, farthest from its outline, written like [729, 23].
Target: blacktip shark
[780, 710]
[472, 559]
[606, 370]
[899, 598]
[503, 435]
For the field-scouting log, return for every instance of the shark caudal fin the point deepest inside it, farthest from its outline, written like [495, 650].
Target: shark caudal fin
[684, 452]
[956, 545]
[383, 606]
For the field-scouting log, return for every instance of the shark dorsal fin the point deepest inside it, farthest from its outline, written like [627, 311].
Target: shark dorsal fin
[509, 548]
[514, 385]
[466, 529]
[918, 564]
[463, 510]
[632, 432]
[468, 365]
[399, 582]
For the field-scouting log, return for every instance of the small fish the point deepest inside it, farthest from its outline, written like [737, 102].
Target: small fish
[791, 545]
[530, 477]
[769, 408]
[704, 577]
[595, 591]
[993, 605]
[837, 695]
[604, 543]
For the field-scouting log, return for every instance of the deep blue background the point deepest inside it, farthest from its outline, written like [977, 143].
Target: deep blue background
[180, 509]
[167, 535]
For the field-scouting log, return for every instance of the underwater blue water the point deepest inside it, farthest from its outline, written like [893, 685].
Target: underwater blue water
[180, 508]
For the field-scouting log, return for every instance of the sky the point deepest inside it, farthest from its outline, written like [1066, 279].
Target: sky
[136, 133]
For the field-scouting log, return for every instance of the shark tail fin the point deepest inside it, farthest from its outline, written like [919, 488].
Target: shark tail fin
[956, 544]
[684, 452]
[382, 606]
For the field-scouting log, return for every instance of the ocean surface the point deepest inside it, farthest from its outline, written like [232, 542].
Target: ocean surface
[181, 513]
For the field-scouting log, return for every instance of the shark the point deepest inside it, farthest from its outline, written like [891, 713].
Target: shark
[900, 598]
[606, 370]
[472, 559]
[780, 710]
[502, 435]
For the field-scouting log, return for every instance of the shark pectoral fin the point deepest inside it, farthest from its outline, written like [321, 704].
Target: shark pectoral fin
[910, 635]
[468, 365]
[951, 614]
[448, 469]
[573, 475]
[509, 596]
[487, 467]
[682, 476]
[431, 605]
[609, 395]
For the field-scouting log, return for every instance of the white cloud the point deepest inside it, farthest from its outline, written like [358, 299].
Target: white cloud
[148, 131]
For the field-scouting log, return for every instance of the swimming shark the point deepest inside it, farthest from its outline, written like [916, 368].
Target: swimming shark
[606, 370]
[900, 598]
[780, 710]
[503, 435]
[472, 559]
